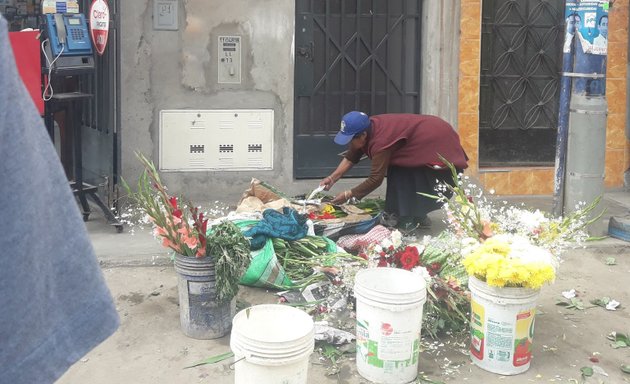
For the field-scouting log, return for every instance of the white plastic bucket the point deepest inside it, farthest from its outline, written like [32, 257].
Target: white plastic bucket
[271, 344]
[389, 320]
[501, 327]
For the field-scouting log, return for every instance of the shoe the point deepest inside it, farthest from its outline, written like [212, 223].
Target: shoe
[389, 219]
[423, 222]
[406, 224]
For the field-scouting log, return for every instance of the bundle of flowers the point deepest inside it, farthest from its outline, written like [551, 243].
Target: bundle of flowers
[509, 246]
[179, 226]
[183, 228]
[554, 234]
[436, 261]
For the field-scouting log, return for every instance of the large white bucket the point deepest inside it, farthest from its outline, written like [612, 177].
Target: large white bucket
[389, 320]
[501, 327]
[271, 344]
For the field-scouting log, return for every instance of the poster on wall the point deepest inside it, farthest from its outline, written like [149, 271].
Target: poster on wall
[60, 6]
[586, 38]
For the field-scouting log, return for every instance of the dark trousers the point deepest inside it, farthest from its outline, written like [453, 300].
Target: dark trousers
[403, 185]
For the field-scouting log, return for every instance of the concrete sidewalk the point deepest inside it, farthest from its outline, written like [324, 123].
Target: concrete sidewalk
[150, 348]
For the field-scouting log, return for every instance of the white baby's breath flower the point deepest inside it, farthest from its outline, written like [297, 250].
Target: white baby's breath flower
[568, 294]
[531, 221]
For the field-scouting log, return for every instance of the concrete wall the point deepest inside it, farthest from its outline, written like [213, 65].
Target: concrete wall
[177, 70]
[440, 58]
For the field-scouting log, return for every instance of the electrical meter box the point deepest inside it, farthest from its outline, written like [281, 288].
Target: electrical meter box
[226, 140]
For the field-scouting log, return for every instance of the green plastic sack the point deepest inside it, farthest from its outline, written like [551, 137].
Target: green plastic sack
[265, 270]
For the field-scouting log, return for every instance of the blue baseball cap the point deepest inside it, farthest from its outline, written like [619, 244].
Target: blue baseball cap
[351, 123]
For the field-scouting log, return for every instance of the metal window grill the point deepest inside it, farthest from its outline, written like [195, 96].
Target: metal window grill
[521, 60]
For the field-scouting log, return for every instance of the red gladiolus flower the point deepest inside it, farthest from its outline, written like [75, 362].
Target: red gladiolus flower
[382, 262]
[176, 212]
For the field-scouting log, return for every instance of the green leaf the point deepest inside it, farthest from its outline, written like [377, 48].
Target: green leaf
[573, 303]
[620, 340]
[586, 371]
[611, 261]
[625, 368]
[577, 304]
[622, 337]
[212, 359]
[601, 302]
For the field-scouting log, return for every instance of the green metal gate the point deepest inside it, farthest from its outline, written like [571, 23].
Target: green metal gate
[350, 55]
[521, 60]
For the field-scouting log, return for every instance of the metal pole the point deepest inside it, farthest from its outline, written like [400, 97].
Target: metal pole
[563, 111]
[585, 140]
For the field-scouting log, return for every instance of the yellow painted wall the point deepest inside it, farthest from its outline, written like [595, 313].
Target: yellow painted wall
[540, 181]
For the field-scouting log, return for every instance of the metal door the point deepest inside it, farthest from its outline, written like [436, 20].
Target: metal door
[350, 55]
[521, 60]
[101, 116]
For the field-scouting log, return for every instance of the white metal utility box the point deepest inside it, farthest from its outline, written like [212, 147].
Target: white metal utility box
[226, 140]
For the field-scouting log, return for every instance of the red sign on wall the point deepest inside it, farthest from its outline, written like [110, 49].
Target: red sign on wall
[99, 24]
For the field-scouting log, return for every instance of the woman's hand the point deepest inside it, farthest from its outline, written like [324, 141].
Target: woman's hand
[342, 198]
[328, 182]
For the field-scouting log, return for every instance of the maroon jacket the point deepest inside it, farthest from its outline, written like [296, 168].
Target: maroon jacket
[406, 140]
[422, 138]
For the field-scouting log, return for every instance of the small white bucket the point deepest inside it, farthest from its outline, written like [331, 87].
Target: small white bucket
[271, 344]
[389, 320]
[501, 327]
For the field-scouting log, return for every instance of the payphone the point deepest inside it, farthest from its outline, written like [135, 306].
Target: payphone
[68, 48]
[68, 34]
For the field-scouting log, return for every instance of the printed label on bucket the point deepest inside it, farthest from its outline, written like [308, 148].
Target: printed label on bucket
[523, 338]
[200, 288]
[388, 348]
[503, 338]
[477, 316]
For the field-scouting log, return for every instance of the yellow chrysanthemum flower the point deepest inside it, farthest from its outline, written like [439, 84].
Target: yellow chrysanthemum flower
[506, 261]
